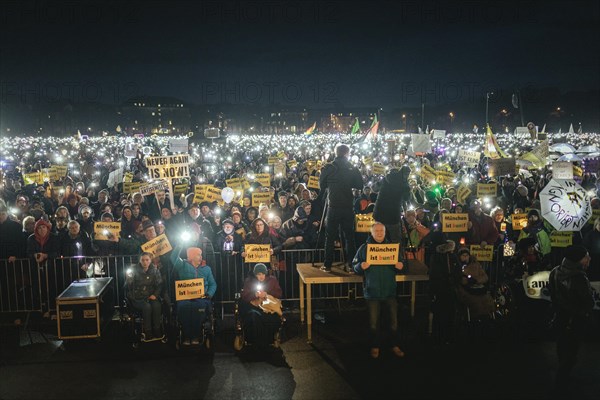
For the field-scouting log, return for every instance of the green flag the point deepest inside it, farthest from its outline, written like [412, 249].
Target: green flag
[355, 127]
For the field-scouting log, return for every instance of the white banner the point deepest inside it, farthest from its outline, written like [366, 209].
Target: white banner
[421, 143]
[562, 170]
[178, 145]
[439, 134]
[470, 158]
[168, 167]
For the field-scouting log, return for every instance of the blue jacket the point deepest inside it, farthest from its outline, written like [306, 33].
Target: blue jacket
[184, 270]
[379, 280]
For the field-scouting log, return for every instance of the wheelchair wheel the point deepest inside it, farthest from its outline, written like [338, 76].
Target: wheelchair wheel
[238, 342]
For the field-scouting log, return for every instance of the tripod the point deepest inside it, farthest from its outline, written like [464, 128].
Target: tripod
[320, 228]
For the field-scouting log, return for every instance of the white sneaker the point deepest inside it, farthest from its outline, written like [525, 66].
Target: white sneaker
[187, 342]
[195, 342]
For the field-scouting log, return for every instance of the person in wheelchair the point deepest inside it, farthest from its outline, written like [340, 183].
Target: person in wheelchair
[260, 307]
[193, 313]
[144, 286]
[472, 289]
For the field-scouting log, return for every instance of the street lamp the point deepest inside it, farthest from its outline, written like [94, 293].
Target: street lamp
[404, 119]
[451, 114]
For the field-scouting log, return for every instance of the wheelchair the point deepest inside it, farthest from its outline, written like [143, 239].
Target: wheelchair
[207, 331]
[133, 317]
[241, 335]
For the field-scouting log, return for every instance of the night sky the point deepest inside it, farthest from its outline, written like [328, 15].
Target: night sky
[309, 53]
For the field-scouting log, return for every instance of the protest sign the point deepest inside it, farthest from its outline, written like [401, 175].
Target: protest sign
[455, 222]
[200, 193]
[469, 158]
[131, 187]
[382, 254]
[486, 189]
[256, 253]
[501, 166]
[151, 188]
[462, 193]
[158, 246]
[364, 222]
[102, 230]
[561, 239]
[263, 179]
[213, 194]
[519, 221]
[180, 188]
[485, 253]
[189, 289]
[378, 169]
[439, 133]
[261, 197]
[562, 170]
[427, 173]
[177, 145]
[313, 182]
[444, 177]
[421, 143]
[168, 167]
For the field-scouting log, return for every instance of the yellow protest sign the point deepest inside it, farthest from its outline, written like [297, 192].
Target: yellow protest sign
[519, 221]
[444, 177]
[382, 254]
[577, 171]
[49, 174]
[281, 154]
[261, 197]
[463, 193]
[131, 187]
[256, 253]
[455, 222]
[292, 164]
[128, 177]
[102, 230]
[279, 170]
[427, 173]
[263, 179]
[367, 160]
[274, 160]
[33, 177]
[61, 170]
[200, 193]
[180, 188]
[378, 169]
[234, 183]
[486, 189]
[485, 253]
[313, 182]
[189, 289]
[364, 222]
[319, 164]
[561, 239]
[158, 246]
[213, 194]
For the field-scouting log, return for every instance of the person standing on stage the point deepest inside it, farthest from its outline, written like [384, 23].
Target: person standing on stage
[339, 178]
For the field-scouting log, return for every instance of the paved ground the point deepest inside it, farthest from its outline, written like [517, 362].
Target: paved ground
[335, 366]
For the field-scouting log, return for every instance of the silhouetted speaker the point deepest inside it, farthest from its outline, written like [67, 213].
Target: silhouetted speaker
[212, 133]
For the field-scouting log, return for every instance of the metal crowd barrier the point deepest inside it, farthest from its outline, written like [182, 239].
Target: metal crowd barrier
[26, 286]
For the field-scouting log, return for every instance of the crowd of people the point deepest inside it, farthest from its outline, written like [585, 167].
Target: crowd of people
[53, 216]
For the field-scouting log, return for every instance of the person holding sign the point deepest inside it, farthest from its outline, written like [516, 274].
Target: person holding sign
[192, 313]
[260, 325]
[339, 178]
[144, 286]
[380, 291]
[535, 229]
[259, 234]
[481, 226]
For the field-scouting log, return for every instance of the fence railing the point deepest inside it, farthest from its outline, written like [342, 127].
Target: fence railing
[28, 286]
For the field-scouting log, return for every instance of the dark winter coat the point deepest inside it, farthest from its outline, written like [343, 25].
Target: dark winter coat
[379, 280]
[340, 177]
[393, 193]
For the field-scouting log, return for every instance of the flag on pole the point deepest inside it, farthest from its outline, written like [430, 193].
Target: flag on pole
[355, 127]
[490, 147]
[515, 100]
[373, 129]
[310, 130]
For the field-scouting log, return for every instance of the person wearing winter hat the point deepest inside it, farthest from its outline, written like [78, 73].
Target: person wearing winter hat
[260, 326]
[297, 233]
[42, 244]
[573, 301]
[188, 310]
[535, 229]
